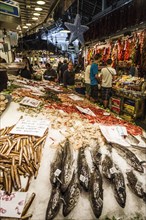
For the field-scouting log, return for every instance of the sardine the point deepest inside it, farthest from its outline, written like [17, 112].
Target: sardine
[134, 184]
[84, 174]
[130, 157]
[119, 188]
[56, 168]
[96, 193]
[54, 203]
[107, 165]
[67, 163]
[71, 195]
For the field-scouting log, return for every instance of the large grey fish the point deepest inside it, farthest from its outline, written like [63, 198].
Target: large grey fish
[107, 164]
[130, 157]
[96, 192]
[56, 168]
[119, 188]
[83, 171]
[67, 164]
[134, 184]
[54, 203]
[71, 195]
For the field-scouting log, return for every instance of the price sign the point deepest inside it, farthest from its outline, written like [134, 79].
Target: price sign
[30, 126]
[30, 102]
[12, 205]
[85, 111]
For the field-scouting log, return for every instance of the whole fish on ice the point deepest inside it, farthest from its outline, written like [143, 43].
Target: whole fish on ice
[83, 170]
[71, 195]
[67, 163]
[53, 204]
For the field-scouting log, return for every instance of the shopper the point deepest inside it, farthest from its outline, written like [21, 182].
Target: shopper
[3, 79]
[107, 75]
[63, 67]
[94, 78]
[50, 74]
[27, 71]
[87, 79]
[69, 76]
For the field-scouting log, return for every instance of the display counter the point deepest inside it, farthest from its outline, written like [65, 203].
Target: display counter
[81, 129]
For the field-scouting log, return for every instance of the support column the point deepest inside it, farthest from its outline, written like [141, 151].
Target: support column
[103, 5]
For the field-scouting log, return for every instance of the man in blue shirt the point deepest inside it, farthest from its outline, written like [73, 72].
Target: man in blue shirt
[94, 78]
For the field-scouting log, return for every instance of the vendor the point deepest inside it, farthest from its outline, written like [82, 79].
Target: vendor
[69, 76]
[50, 74]
[133, 70]
[3, 79]
[27, 71]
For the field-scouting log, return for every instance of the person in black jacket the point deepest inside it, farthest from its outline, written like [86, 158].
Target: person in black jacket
[3, 79]
[69, 76]
[27, 71]
[50, 74]
[63, 67]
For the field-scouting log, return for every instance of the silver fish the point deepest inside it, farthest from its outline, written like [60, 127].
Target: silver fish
[83, 171]
[132, 140]
[144, 139]
[56, 168]
[134, 184]
[67, 163]
[71, 196]
[54, 203]
[96, 193]
[107, 164]
[130, 157]
[119, 188]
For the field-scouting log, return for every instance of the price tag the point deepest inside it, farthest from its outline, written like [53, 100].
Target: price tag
[57, 172]
[113, 170]
[100, 201]
[138, 185]
[82, 178]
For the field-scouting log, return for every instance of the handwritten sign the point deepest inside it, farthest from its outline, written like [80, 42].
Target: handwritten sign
[75, 97]
[30, 102]
[31, 126]
[55, 88]
[112, 135]
[85, 111]
[12, 205]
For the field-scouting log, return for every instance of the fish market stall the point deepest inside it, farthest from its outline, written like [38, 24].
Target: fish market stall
[81, 172]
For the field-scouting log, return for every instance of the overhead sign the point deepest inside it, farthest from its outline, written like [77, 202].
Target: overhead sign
[9, 9]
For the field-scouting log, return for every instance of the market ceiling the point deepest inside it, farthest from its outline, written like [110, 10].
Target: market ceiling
[37, 14]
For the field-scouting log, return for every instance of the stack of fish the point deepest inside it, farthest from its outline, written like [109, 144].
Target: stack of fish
[67, 181]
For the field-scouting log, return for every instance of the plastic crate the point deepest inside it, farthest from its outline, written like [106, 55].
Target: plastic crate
[116, 102]
[115, 109]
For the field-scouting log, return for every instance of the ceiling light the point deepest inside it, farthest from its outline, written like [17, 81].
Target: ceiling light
[28, 24]
[25, 27]
[41, 2]
[64, 31]
[36, 14]
[38, 9]
[34, 18]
